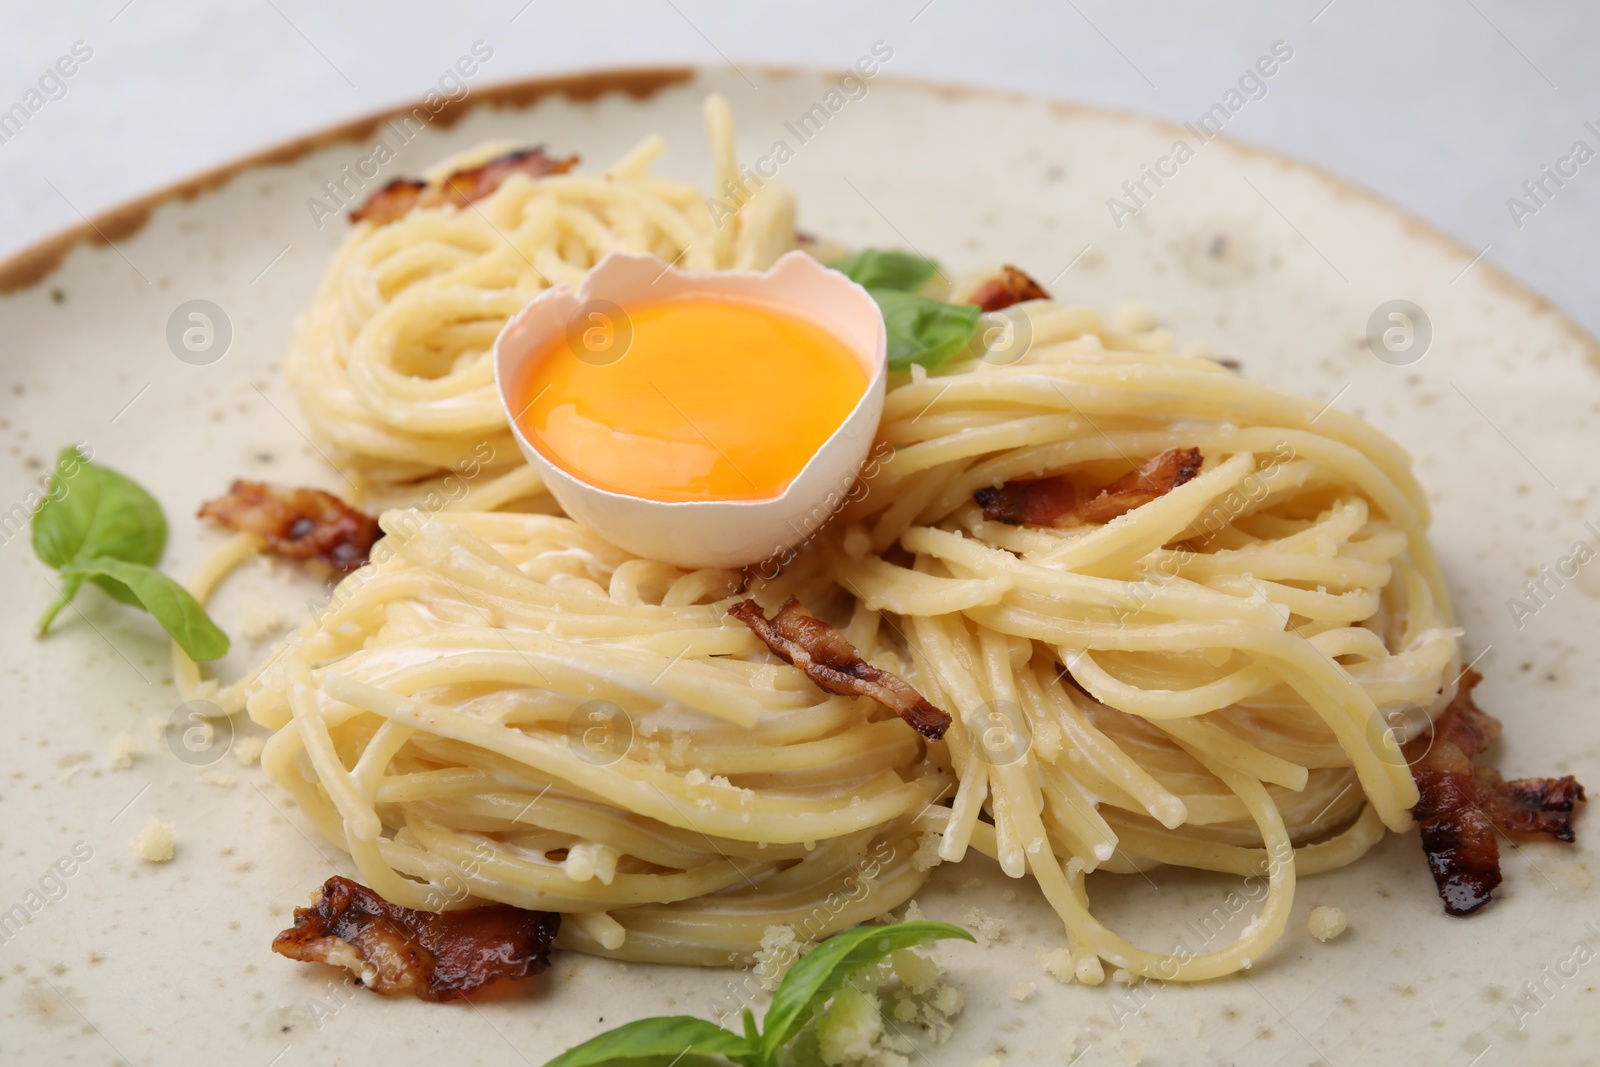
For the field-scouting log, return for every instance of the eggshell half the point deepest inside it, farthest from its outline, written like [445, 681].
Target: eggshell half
[708, 533]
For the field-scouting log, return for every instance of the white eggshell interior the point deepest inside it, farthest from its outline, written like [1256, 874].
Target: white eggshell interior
[710, 533]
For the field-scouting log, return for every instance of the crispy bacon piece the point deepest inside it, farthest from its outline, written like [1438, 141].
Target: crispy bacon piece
[435, 955]
[298, 523]
[1057, 502]
[1011, 287]
[799, 637]
[400, 196]
[394, 201]
[1530, 805]
[1461, 805]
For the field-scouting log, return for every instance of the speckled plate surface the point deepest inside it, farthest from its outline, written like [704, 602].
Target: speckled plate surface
[1274, 263]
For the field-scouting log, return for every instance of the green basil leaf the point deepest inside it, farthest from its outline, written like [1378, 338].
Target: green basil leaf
[69, 589]
[875, 268]
[662, 1039]
[91, 510]
[924, 331]
[178, 612]
[820, 974]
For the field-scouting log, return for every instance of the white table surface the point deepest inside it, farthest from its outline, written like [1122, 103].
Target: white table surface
[1444, 106]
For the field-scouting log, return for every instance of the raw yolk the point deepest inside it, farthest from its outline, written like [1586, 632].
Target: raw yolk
[689, 399]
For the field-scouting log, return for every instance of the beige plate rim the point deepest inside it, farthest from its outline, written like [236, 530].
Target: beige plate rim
[37, 262]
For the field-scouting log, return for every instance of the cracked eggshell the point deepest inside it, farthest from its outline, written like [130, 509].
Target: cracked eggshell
[708, 533]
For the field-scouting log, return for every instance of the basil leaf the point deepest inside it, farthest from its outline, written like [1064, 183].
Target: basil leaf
[662, 1039]
[820, 974]
[91, 510]
[69, 589]
[924, 331]
[178, 612]
[94, 511]
[874, 268]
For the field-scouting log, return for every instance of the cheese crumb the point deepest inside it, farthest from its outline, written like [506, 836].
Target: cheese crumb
[926, 857]
[70, 767]
[850, 1029]
[695, 777]
[123, 752]
[218, 778]
[258, 621]
[1069, 1044]
[984, 926]
[914, 912]
[1058, 964]
[1008, 895]
[247, 750]
[1022, 991]
[867, 1023]
[1132, 1051]
[917, 973]
[155, 842]
[1327, 923]
[779, 949]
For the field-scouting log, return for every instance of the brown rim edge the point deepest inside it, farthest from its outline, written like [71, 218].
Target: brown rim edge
[36, 263]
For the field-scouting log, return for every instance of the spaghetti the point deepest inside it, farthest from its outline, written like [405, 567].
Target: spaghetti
[503, 707]
[391, 365]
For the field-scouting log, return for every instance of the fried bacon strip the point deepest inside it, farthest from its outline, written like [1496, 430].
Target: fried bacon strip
[298, 523]
[799, 637]
[435, 955]
[1057, 502]
[1011, 287]
[400, 196]
[1461, 805]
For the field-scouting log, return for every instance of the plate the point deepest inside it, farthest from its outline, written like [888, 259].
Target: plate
[1290, 271]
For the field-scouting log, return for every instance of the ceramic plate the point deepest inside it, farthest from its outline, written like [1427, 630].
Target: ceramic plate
[1282, 267]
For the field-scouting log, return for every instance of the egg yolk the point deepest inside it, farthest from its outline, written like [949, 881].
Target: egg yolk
[694, 398]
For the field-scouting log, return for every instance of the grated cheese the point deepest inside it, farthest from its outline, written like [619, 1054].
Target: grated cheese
[1327, 923]
[123, 752]
[985, 927]
[1059, 965]
[156, 842]
[258, 621]
[779, 949]
[869, 1021]
[247, 750]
